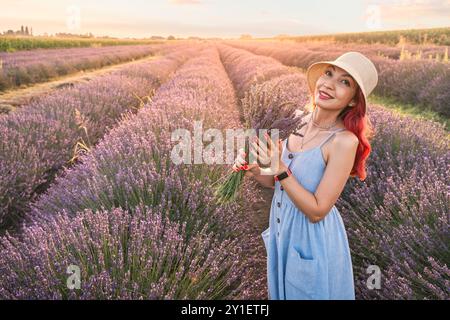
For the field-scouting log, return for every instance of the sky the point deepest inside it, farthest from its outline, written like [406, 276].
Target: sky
[221, 18]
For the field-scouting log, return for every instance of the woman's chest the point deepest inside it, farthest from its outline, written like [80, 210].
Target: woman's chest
[324, 149]
[307, 167]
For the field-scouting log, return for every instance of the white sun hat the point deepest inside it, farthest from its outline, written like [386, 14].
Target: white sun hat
[356, 64]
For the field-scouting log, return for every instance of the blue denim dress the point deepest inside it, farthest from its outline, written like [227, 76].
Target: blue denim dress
[306, 260]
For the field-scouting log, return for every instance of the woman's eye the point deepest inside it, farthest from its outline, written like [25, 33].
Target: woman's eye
[347, 83]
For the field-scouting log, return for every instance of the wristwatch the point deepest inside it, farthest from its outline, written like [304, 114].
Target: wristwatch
[283, 175]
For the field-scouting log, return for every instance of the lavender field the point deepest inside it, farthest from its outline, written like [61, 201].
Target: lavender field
[29, 67]
[55, 129]
[87, 177]
[420, 75]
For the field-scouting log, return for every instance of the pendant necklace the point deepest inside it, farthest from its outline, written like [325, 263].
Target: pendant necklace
[321, 128]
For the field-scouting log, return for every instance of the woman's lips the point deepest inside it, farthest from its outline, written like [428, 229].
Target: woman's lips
[324, 96]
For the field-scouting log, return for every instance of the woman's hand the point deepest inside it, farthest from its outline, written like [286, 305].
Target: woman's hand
[270, 155]
[240, 164]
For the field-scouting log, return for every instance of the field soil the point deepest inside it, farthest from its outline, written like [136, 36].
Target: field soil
[12, 99]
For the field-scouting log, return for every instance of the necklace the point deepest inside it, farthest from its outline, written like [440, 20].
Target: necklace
[307, 127]
[319, 126]
[306, 131]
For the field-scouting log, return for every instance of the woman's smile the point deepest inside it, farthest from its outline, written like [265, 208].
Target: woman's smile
[324, 95]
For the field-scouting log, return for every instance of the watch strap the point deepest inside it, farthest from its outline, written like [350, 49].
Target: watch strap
[283, 175]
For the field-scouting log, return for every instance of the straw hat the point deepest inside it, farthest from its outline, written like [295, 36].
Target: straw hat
[356, 64]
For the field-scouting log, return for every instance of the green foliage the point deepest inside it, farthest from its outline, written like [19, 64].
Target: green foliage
[437, 36]
[16, 43]
[410, 109]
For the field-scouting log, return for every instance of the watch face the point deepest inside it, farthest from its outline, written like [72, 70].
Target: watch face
[282, 175]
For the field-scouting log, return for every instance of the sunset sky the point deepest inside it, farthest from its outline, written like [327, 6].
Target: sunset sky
[221, 18]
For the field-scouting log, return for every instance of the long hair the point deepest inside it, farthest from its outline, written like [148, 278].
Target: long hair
[356, 121]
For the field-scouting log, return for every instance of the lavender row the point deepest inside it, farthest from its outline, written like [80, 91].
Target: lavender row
[396, 219]
[270, 95]
[51, 132]
[378, 49]
[27, 67]
[120, 256]
[245, 69]
[144, 227]
[420, 82]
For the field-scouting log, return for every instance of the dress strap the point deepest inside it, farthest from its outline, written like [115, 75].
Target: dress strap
[331, 134]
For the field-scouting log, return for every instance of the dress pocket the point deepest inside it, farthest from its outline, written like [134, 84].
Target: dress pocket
[265, 235]
[302, 276]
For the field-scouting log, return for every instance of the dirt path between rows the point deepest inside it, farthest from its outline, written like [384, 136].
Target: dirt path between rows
[262, 210]
[11, 99]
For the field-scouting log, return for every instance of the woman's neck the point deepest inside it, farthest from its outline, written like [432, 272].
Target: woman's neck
[325, 118]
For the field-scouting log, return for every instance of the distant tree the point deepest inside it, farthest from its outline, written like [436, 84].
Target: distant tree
[26, 31]
[22, 30]
[246, 36]
[31, 31]
[170, 38]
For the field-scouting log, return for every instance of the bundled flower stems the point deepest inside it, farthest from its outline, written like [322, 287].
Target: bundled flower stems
[260, 111]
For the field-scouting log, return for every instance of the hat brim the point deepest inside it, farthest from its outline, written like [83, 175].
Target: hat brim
[316, 69]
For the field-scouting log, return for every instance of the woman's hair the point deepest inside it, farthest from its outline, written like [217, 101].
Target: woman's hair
[356, 121]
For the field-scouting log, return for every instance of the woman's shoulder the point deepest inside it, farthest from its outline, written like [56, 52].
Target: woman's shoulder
[346, 138]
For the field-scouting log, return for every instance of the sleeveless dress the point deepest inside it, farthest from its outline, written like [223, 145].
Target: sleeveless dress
[306, 260]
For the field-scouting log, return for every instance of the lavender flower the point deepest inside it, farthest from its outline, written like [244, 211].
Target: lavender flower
[40, 138]
[142, 255]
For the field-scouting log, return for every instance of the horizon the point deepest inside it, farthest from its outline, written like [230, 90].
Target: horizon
[221, 19]
[90, 34]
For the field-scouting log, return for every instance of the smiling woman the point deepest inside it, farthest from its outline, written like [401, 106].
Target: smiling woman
[339, 89]
[306, 242]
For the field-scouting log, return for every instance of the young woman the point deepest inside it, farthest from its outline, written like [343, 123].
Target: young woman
[308, 255]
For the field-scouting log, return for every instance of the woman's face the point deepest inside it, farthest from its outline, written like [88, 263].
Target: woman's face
[339, 85]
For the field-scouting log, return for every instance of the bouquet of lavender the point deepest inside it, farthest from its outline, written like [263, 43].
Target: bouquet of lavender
[263, 107]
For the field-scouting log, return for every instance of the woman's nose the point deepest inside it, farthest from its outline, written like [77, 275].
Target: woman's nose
[328, 85]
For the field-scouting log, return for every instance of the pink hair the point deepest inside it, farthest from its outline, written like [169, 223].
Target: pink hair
[356, 121]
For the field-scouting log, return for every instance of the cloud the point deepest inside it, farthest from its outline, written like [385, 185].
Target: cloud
[294, 20]
[395, 10]
[182, 2]
[179, 28]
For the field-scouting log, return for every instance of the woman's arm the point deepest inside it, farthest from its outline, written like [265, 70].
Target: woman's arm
[266, 181]
[317, 205]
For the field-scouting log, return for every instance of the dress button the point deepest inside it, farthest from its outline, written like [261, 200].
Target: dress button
[279, 204]
[290, 156]
[278, 234]
[281, 188]
[278, 220]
